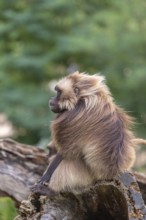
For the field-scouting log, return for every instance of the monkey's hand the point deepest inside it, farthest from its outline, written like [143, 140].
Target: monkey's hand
[42, 189]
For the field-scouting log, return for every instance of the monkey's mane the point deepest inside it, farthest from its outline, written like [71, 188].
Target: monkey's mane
[89, 86]
[96, 122]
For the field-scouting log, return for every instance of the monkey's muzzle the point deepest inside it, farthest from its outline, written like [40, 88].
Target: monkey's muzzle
[53, 104]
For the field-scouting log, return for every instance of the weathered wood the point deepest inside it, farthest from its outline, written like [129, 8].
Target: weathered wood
[22, 165]
[141, 180]
[113, 200]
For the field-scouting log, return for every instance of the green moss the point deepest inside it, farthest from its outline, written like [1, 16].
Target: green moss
[7, 209]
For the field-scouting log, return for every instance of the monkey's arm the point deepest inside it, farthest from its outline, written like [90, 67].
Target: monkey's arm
[40, 187]
[51, 168]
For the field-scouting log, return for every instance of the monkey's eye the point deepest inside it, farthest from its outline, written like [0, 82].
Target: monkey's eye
[59, 91]
[76, 90]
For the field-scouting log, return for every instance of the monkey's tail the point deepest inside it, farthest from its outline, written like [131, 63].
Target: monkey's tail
[138, 141]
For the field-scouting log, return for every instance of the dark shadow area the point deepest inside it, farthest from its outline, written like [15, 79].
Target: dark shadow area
[112, 205]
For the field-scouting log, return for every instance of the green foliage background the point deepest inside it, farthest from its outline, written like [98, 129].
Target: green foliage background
[7, 209]
[42, 40]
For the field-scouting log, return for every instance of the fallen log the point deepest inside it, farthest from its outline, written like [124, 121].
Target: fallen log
[22, 165]
[120, 199]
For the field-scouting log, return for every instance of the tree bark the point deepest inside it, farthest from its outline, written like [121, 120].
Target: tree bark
[22, 165]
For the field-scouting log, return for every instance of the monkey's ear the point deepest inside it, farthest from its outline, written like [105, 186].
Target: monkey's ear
[76, 90]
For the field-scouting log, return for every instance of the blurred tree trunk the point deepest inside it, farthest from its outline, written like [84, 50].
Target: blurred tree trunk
[22, 165]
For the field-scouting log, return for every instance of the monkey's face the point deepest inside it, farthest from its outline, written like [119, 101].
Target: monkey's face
[54, 102]
[73, 88]
[66, 96]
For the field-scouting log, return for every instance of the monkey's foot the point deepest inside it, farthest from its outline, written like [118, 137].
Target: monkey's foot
[41, 189]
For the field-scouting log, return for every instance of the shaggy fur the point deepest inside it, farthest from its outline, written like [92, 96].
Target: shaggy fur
[91, 132]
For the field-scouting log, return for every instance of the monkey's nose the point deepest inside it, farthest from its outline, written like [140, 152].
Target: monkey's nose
[51, 102]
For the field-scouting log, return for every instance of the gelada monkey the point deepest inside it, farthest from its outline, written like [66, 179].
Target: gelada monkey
[92, 135]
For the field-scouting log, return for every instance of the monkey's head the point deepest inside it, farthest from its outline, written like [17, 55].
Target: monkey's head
[75, 87]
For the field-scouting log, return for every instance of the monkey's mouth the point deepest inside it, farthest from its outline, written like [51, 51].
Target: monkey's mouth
[55, 107]
[57, 110]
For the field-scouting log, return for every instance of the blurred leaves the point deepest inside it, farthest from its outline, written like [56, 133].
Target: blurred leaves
[41, 40]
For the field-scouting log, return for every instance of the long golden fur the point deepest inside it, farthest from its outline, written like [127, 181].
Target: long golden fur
[91, 132]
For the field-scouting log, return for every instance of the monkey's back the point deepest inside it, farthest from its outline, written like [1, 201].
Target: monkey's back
[100, 136]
